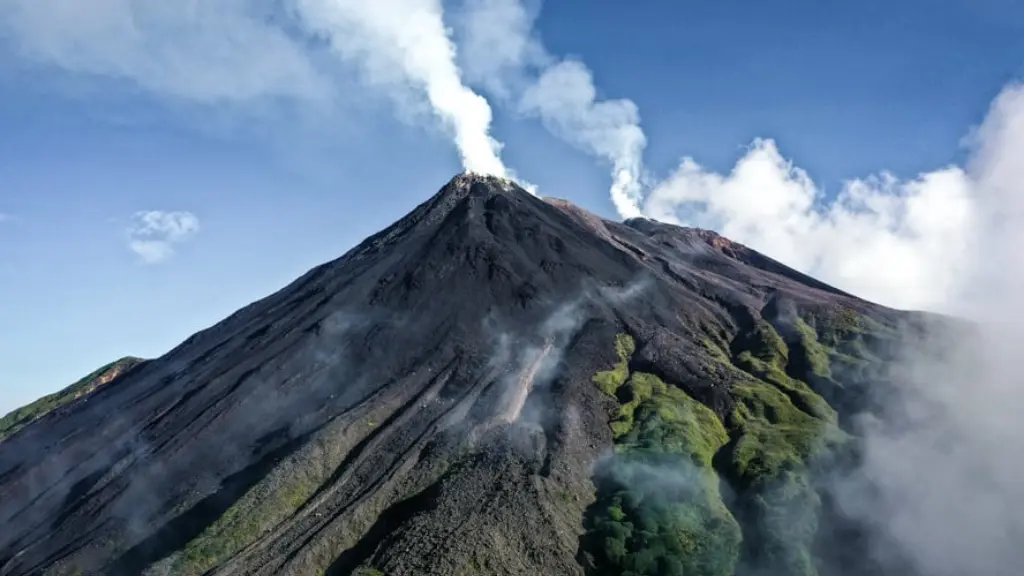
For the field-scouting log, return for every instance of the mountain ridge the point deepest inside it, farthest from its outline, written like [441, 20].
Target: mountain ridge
[22, 416]
[414, 404]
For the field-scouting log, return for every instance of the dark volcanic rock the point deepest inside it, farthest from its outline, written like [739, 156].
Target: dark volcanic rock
[423, 404]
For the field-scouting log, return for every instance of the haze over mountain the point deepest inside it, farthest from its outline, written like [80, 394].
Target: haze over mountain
[495, 384]
[501, 383]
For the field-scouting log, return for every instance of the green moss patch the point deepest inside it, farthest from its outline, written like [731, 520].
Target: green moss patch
[609, 381]
[659, 510]
[273, 500]
[780, 427]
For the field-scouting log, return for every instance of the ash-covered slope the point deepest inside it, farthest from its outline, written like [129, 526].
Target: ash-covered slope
[496, 384]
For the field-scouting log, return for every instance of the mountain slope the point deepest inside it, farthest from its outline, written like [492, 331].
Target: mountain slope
[18, 419]
[495, 384]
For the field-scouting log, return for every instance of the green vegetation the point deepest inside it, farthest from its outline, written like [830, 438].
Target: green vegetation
[766, 357]
[769, 462]
[659, 509]
[257, 512]
[815, 353]
[18, 419]
[610, 381]
[367, 571]
[273, 500]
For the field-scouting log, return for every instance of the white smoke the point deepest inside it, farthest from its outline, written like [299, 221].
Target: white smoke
[502, 53]
[239, 50]
[406, 41]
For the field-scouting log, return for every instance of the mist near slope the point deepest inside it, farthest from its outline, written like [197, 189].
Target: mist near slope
[947, 482]
[939, 473]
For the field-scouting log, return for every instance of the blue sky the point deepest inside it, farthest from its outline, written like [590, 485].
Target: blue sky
[281, 182]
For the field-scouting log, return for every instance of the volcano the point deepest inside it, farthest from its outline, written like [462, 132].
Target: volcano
[495, 384]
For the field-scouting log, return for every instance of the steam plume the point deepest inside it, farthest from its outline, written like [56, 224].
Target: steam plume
[406, 41]
[504, 56]
[240, 51]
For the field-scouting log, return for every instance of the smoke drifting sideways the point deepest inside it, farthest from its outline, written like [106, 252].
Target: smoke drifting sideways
[501, 52]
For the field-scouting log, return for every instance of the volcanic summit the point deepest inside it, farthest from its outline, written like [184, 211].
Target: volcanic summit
[495, 384]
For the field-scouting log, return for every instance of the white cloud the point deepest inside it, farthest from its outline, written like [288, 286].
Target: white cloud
[996, 274]
[947, 240]
[504, 56]
[897, 242]
[947, 488]
[195, 49]
[154, 235]
[497, 46]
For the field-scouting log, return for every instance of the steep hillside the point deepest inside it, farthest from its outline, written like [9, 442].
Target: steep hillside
[25, 415]
[495, 384]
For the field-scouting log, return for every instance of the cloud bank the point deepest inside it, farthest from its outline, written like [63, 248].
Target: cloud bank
[154, 235]
[947, 485]
[898, 242]
[922, 243]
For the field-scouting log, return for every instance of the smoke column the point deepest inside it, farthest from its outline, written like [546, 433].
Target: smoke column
[405, 41]
[502, 54]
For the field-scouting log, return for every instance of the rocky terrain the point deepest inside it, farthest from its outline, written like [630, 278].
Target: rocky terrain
[496, 384]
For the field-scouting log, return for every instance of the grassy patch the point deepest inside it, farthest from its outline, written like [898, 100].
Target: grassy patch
[798, 392]
[273, 500]
[779, 426]
[835, 325]
[659, 510]
[25, 415]
[609, 381]
[763, 343]
[816, 355]
[772, 434]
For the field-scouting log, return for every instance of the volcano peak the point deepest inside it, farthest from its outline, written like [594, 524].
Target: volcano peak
[453, 382]
[467, 182]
